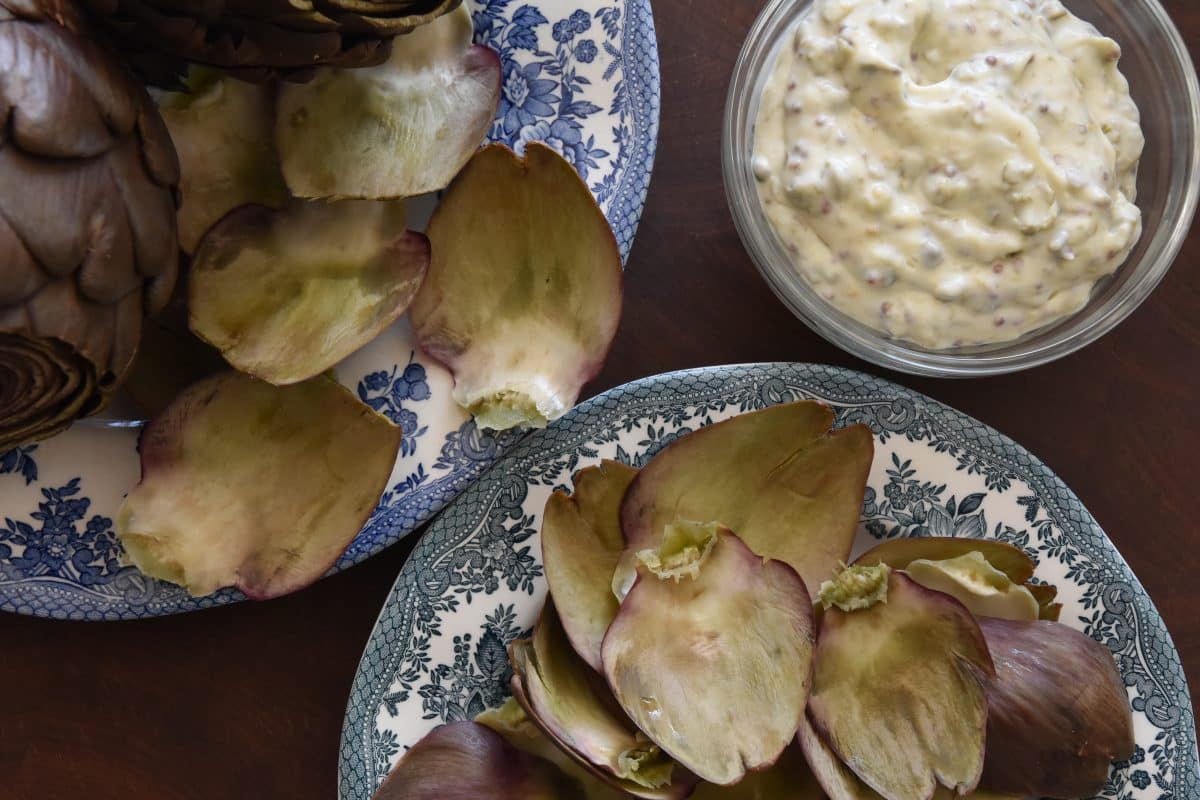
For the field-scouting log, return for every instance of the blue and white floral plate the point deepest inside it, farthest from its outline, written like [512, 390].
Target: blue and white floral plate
[474, 582]
[580, 75]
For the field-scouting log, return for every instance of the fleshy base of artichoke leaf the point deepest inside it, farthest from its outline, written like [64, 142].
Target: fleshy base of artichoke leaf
[519, 378]
[45, 385]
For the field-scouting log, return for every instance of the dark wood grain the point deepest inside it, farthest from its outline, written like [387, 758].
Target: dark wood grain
[246, 701]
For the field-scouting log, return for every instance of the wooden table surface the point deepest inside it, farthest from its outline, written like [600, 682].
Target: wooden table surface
[246, 701]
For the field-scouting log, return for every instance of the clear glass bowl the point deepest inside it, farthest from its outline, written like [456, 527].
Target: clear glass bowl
[1163, 83]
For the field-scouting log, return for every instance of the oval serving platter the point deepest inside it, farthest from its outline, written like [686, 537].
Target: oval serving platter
[580, 75]
[474, 582]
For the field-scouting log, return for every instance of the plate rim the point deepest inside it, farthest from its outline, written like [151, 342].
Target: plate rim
[1084, 529]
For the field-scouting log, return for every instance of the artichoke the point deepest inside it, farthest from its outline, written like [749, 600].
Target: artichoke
[87, 219]
[261, 38]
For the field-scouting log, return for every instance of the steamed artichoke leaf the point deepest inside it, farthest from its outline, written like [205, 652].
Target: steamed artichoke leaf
[581, 543]
[787, 779]
[1058, 711]
[897, 692]
[899, 553]
[714, 668]
[285, 295]
[403, 128]
[523, 294]
[510, 721]
[983, 589]
[469, 761]
[790, 488]
[254, 486]
[573, 707]
[223, 132]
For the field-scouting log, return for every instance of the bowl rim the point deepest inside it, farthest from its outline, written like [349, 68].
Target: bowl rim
[755, 59]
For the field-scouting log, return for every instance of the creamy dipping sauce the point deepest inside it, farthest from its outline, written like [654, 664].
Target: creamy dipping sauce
[950, 172]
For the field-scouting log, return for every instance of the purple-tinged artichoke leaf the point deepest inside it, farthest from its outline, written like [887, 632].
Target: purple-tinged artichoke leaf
[285, 295]
[790, 488]
[510, 721]
[899, 553]
[255, 486]
[581, 544]
[789, 778]
[223, 131]
[403, 128]
[573, 707]
[469, 761]
[1058, 712]
[523, 294]
[897, 691]
[835, 778]
[713, 663]
[1045, 596]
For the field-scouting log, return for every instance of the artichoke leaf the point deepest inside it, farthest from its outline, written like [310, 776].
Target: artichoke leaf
[790, 487]
[403, 128]
[469, 761]
[523, 294]
[1058, 712]
[789, 778]
[714, 665]
[285, 295]
[899, 553]
[897, 691]
[574, 708]
[510, 721]
[581, 543]
[254, 486]
[223, 132]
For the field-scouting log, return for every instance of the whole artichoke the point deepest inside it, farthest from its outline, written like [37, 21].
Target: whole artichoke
[261, 38]
[87, 219]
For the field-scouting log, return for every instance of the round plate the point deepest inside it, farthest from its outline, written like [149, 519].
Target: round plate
[474, 582]
[580, 75]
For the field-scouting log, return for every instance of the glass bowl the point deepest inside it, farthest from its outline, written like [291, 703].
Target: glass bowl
[1164, 86]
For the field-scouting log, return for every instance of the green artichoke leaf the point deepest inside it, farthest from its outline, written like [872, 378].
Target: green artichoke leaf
[1014, 562]
[469, 761]
[285, 295]
[1058, 711]
[713, 665]
[835, 778]
[581, 543]
[254, 486]
[510, 721]
[403, 128]
[223, 130]
[523, 294]
[983, 589]
[897, 691]
[789, 486]
[990, 578]
[789, 778]
[574, 708]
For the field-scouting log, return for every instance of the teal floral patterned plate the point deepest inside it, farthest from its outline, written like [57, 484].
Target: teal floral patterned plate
[579, 75]
[475, 582]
